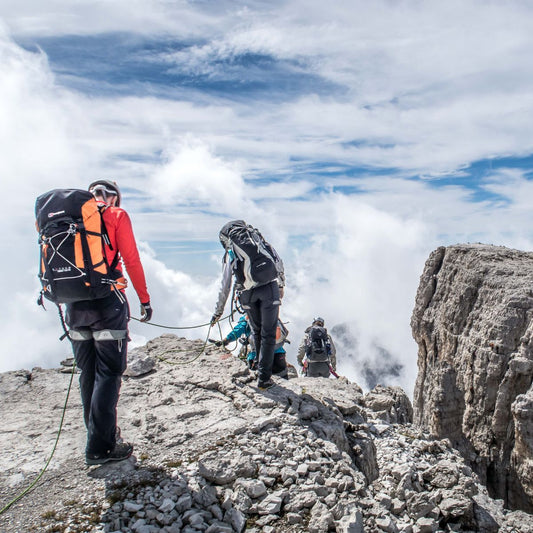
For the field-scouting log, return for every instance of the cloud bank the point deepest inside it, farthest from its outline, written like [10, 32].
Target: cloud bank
[357, 137]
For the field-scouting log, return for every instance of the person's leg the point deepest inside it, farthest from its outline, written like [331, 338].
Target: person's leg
[318, 370]
[85, 357]
[279, 367]
[268, 297]
[110, 364]
[110, 336]
[253, 311]
[78, 318]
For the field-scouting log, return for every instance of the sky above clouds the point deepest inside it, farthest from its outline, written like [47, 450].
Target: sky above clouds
[358, 136]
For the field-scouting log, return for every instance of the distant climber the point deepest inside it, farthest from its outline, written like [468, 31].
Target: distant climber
[259, 284]
[317, 353]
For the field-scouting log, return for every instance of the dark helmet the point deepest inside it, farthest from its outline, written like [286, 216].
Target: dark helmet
[224, 234]
[319, 321]
[106, 187]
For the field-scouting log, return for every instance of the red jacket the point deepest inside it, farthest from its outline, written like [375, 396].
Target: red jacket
[120, 231]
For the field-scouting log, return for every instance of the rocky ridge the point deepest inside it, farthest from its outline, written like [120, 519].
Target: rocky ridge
[473, 322]
[215, 454]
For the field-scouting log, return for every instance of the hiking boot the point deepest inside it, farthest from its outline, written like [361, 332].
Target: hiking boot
[265, 385]
[121, 451]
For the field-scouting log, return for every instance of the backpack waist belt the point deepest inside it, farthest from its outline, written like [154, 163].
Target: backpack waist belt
[80, 335]
[110, 334]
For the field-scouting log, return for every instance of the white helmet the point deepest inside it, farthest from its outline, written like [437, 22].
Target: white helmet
[105, 188]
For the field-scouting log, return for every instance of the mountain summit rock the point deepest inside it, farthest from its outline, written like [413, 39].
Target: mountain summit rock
[473, 322]
[215, 454]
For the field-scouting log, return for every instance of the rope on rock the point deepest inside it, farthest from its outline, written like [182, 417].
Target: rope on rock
[177, 327]
[34, 483]
[161, 358]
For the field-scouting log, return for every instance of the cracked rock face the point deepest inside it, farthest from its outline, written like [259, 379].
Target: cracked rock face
[215, 454]
[473, 322]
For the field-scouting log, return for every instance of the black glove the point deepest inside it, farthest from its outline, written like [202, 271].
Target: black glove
[214, 319]
[225, 342]
[146, 312]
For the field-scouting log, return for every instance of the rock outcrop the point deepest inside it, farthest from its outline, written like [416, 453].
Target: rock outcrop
[215, 454]
[473, 322]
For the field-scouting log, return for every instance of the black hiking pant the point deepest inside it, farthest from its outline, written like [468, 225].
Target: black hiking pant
[279, 365]
[317, 370]
[99, 335]
[262, 307]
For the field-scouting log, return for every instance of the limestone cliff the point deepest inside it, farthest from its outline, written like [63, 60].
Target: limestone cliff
[473, 322]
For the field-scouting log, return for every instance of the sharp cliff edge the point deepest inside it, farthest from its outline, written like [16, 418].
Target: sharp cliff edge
[473, 322]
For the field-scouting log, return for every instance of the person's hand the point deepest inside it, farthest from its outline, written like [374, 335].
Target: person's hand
[146, 312]
[225, 342]
[214, 319]
[281, 292]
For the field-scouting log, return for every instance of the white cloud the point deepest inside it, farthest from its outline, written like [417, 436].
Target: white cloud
[361, 270]
[86, 17]
[193, 176]
[423, 88]
[34, 130]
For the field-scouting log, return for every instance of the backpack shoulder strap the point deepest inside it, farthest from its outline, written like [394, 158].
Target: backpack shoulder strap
[107, 241]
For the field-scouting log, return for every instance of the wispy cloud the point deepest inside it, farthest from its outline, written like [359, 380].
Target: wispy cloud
[357, 136]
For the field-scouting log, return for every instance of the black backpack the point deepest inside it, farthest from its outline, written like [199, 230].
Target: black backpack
[255, 259]
[317, 345]
[72, 235]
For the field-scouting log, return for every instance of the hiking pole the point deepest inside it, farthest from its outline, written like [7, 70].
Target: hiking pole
[333, 372]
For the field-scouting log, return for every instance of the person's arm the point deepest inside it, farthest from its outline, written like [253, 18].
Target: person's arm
[241, 328]
[225, 289]
[301, 352]
[127, 247]
[333, 353]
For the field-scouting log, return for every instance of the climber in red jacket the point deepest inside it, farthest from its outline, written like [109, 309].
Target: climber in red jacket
[99, 332]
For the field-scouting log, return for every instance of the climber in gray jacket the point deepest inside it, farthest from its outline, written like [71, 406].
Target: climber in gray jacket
[259, 284]
[317, 354]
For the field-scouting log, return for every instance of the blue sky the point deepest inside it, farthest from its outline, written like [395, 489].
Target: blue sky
[357, 136]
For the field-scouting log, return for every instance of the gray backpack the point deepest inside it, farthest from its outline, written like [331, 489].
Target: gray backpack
[317, 345]
[255, 263]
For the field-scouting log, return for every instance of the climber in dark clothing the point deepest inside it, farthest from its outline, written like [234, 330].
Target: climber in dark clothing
[317, 357]
[99, 332]
[259, 282]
